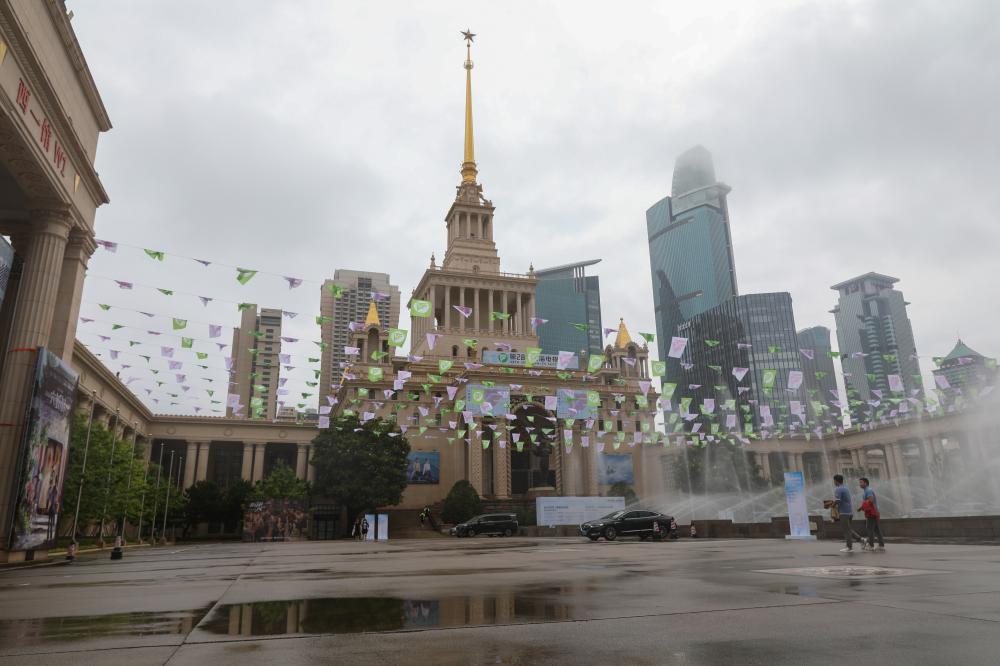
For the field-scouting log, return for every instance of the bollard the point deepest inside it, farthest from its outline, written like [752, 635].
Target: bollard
[117, 552]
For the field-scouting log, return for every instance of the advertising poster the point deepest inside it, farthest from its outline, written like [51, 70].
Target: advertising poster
[798, 515]
[6, 263]
[487, 400]
[275, 520]
[45, 450]
[572, 404]
[522, 360]
[378, 526]
[615, 468]
[554, 511]
[423, 467]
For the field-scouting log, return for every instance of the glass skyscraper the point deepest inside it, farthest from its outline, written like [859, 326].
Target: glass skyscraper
[690, 249]
[819, 370]
[755, 332]
[565, 295]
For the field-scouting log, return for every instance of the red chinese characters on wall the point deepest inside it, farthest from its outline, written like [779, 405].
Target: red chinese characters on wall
[45, 136]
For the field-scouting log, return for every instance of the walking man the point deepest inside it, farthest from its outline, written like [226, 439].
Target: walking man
[869, 505]
[843, 498]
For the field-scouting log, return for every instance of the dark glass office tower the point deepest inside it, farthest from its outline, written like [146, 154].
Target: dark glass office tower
[819, 370]
[566, 295]
[756, 332]
[690, 249]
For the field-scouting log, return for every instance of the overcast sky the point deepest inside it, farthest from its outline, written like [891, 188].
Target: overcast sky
[299, 138]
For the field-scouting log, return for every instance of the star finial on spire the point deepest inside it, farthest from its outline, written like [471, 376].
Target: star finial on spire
[468, 36]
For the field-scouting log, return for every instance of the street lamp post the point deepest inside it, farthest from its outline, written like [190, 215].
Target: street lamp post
[156, 501]
[111, 466]
[166, 507]
[142, 503]
[83, 471]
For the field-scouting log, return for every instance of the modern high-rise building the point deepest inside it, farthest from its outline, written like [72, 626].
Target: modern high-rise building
[254, 373]
[817, 363]
[964, 369]
[743, 350]
[690, 248]
[877, 353]
[357, 291]
[567, 296]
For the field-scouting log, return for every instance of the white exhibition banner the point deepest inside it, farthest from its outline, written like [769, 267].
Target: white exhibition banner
[552, 511]
[798, 514]
[378, 527]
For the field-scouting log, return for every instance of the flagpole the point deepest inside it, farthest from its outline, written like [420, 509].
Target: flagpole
[83, 468]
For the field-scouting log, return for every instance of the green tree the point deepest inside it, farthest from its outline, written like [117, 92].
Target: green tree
[461, 503]
[281, 483]
[361, 466]
[234, 502]
[203, 504]
[622, 489]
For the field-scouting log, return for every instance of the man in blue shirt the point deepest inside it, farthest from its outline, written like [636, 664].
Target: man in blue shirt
[846, 509]
[874, 527]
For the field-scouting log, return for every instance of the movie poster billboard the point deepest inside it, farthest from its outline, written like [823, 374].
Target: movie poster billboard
[423, 467]
[615, 468]
[44, 452]
[275, 520]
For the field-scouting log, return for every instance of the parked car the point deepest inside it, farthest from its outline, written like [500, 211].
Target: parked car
[631, 522]
[503, 524]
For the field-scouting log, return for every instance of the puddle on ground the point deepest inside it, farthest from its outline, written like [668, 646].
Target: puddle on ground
[794, 590]
[36, 631]
[347, 615]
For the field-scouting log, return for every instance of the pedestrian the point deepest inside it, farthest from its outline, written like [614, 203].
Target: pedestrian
[356, 528]
[423, 516]
[364, 529]
[869, 505]
[844, 510]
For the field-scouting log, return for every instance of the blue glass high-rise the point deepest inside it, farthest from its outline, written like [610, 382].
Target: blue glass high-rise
[565, 295]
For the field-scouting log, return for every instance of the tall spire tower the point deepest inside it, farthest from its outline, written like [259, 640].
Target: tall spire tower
[471, 299]
[469, 165]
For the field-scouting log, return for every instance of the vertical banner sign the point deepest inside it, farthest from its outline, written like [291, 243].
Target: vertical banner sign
[798, 515]
[43, 454]
[6, 264]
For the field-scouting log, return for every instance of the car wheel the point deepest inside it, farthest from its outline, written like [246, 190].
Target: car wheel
[610, 533]
[470, 532]
[593, 537]
[508, 532]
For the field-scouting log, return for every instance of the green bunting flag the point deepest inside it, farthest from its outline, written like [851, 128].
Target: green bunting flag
[320, 320]
[201, 355]
[444, 365]
[595, 362]
[244, 306]
[659, 368]
[244, 275]
[187, 343]
[648, 337]
[580, 327]
[375, 374]
[179, 324]
[165, 292]
[420, 308]
[335, 289]
[379, 355]
[774, 350]
[767, 379]
[104, 307]
[711, 343]
[397, 337]
[499, 315]
[154, 254]
[115, 327]
[531, 356]
[471, 343]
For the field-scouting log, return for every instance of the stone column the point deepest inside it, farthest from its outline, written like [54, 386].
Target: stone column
[310, 470]
[74, 266]
[247, 473]
[190, 460]
[202, 470]
[300, 462]
[475, 310]
[475, 450]
[489, 316]
[764, 460]
[862, 461]
[461, 301]
[41, 245]
[258, 461]
[447, 306]
[501, 469]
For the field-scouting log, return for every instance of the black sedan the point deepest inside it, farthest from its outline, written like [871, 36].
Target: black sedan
[631, 522]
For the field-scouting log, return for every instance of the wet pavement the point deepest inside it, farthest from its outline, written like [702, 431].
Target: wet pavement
[508, 601]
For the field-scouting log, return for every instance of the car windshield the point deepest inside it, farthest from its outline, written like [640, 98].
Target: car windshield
[613, 516]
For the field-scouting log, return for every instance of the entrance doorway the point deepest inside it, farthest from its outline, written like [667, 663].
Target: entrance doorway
[530, 467]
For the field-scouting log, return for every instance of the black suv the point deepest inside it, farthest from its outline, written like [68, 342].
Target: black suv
[490, 523]
[631, 522]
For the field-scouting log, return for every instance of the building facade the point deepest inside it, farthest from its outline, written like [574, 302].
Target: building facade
[878, 355]
[817, 362]
[256, 364]
[344, 300]
[752, 338]
[566, 296]
[690, 247]
[964, 370]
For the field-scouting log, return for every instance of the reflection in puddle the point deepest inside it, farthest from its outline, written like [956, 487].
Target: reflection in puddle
[344, 615]
[36, 631]
[795, 590]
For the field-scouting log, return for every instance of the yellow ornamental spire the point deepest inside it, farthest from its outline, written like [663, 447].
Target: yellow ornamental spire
[469, 164]
[372, 318]
[623, 339]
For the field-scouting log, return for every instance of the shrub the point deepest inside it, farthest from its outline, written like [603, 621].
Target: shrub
[461, 503]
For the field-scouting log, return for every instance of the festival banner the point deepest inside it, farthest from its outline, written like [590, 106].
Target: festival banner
[44, 452]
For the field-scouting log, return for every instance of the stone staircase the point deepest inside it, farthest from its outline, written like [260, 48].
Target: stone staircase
[405, 524]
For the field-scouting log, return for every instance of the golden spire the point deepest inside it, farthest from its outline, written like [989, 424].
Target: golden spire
[623, 339]
[372, 318]
[469, 165]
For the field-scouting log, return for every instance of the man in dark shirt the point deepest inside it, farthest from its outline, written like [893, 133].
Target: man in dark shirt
[846, 509]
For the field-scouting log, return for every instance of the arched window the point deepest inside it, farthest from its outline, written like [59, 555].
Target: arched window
[454, 350]
[470, 352]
